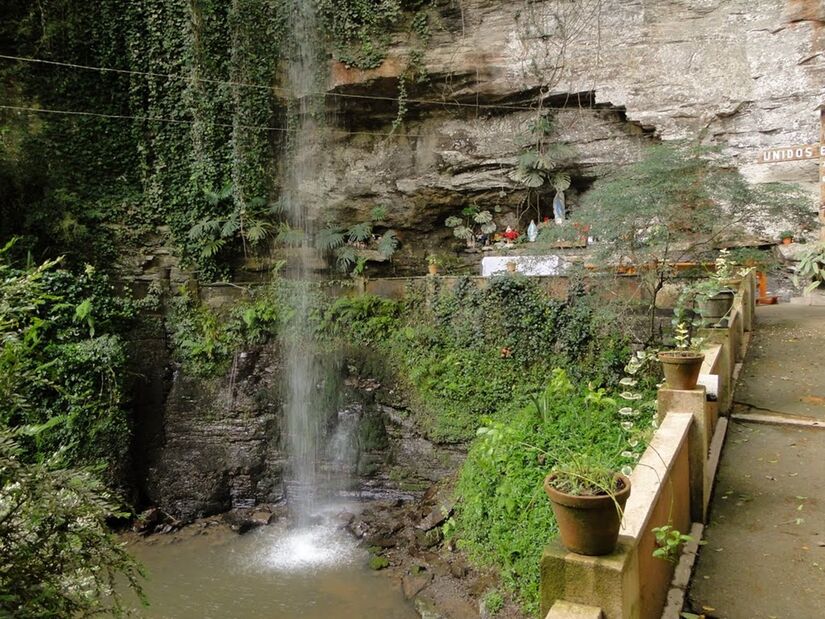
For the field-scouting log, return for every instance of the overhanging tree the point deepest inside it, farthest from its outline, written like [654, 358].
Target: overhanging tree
[680, 201]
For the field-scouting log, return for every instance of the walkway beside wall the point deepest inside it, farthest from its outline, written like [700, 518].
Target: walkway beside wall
[765, 550]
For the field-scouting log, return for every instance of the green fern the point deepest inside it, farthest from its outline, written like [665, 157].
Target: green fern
[387, 244]
[329, 239]
[289, 236]
[360, 232]
[379, 213]
[345, 257]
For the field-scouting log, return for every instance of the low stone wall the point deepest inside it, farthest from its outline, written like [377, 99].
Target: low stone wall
[671, 485]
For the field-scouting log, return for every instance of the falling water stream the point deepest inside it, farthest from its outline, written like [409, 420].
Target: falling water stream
[303, 405]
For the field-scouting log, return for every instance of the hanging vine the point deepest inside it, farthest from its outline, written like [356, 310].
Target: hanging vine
[205, 83]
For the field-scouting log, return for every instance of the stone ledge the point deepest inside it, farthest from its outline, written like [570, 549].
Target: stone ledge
[571, 610]
[603, 582]
[652, 472]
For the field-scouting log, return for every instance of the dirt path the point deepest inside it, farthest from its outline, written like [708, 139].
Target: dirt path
[765, 551]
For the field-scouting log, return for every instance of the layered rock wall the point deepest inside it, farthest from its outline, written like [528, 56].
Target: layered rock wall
[741, 74]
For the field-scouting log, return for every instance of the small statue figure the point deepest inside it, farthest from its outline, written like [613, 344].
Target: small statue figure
[559, 207]
[532, 231]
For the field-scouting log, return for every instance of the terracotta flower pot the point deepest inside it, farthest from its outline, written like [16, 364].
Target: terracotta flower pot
[433, 269]
[714, 309]
[511, 267]
[787, 240]
[589, 525]
[682, 368]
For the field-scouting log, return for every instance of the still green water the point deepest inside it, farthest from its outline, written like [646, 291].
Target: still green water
[273, 572]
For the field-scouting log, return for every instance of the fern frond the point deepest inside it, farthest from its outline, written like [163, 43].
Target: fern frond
[289, 236]
[560, 181]
[212, 247]
[329, 239]
[257, 230]
[345, 257]
[388, 243]
[379, 213]
[204, 228]
[360, 232]
[231, 225]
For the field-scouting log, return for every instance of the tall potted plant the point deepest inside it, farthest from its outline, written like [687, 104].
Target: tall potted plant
[433, 263]
[588, 500]
[683, 364]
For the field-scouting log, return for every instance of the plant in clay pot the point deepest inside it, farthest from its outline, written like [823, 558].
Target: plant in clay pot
[786, 236]
[682, 365]
[588, 500]
[433, 263]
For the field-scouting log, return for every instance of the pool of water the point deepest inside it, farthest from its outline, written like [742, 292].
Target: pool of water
[274, 572]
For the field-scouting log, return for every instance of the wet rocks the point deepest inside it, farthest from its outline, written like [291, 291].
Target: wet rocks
[413, 584]
[154, 520]
[219, 444]
[438, 515]
[243, 520]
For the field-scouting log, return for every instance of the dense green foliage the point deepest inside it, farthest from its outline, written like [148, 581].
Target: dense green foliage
[63, 363]
[492, 356]
[57, 556]
[198, 111]
[469, 352]
[204, 341]
[503, 518]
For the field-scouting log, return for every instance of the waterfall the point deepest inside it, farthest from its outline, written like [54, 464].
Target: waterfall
[305, 401]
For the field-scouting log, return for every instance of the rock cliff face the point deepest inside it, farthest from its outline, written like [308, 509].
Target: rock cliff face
[741, 74]
[208, 445]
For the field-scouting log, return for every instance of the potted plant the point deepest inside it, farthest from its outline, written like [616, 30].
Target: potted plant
[433, 263]
[588, 500]
[725, 271]
[683, 364]
[511, 266]
[786, 236]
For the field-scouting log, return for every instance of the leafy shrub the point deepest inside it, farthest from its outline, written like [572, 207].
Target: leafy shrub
[502, 517]
[200, 339]
[63, 362]
[366, 318]
[58, 557]
[467, 353]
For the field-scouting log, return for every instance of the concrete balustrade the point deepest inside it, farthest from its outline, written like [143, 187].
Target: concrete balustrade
[671, 484]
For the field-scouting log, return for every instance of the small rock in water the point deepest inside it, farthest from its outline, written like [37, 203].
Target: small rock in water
[262, 517]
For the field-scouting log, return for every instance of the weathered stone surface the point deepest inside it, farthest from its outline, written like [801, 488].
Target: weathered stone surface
[739, 74]
[412, 585]
[218, 446]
